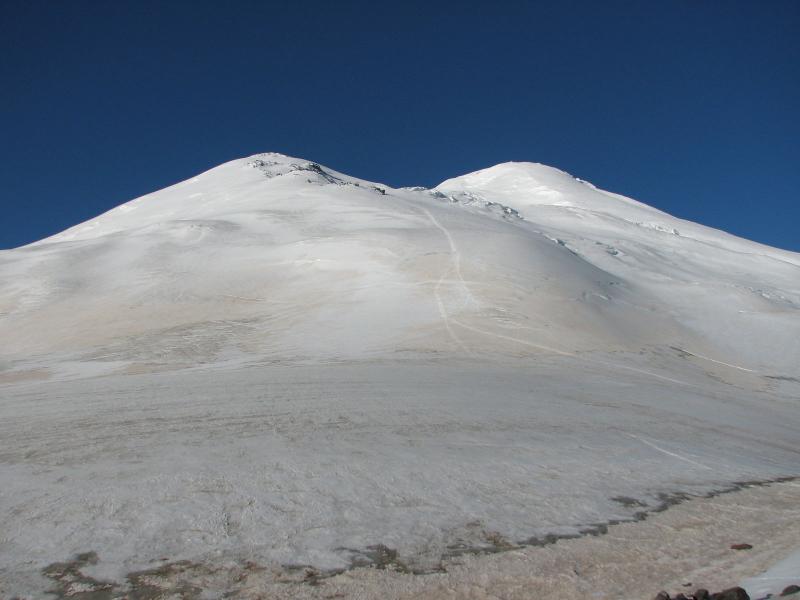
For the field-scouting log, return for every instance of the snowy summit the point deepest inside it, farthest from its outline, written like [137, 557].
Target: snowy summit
[272, 256]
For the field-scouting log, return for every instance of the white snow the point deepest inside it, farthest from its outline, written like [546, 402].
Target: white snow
[275, 360]
[775, 579]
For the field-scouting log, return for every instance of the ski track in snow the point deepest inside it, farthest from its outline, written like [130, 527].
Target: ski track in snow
[668, 453]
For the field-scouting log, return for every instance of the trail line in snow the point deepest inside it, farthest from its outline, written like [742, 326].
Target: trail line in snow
[513, 339]
[719, 362]
[635, 370]
[454, 252]
[667, 452]
[445, 316]
[567, 353]
[456, 257]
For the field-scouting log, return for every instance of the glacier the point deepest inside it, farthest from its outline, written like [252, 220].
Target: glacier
[277, 362]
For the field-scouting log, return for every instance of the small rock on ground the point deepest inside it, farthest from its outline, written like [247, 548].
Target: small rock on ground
[789, 590]
[735, 593]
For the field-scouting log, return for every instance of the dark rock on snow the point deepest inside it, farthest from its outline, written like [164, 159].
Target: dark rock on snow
[735, 593]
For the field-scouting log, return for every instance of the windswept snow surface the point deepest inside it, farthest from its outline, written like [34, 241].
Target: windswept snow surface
[274, 361]
[775, 579]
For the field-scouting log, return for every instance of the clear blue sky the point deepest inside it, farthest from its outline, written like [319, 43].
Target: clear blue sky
[692, 107]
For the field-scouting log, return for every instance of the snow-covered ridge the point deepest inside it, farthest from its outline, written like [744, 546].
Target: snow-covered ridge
[527, 186]
[633, 275]
[510, 188]
[272, 165]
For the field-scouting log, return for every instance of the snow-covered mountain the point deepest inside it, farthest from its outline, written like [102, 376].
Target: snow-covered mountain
[276, 258]
[276, 362]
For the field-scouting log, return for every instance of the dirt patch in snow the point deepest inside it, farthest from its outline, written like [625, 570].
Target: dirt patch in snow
[28, 375]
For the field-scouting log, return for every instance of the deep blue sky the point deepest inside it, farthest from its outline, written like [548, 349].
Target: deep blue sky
[693, 107]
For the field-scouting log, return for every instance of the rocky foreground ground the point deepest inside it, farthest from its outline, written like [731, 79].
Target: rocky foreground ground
[701, 544]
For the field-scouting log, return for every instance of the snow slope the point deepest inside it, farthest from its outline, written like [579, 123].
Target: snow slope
[275, 256]
[277, 361]
[726, 289]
